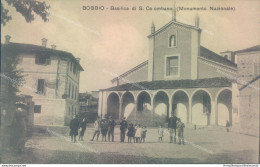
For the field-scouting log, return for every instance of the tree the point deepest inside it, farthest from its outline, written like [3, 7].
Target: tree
[11, 78]
[28, 8]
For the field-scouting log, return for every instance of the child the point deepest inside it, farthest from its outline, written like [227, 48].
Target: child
[160, 133]
[143, 136]
[138, 133]
[131, 132]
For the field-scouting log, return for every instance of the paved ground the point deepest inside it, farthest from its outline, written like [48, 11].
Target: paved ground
[207, 145]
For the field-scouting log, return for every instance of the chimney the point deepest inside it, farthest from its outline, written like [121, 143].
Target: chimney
[152, 28]
[7, 39]
[78, 59]
[197, 20]
[44, 42]
[53, 47]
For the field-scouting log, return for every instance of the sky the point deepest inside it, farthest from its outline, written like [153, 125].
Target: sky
[110, 42]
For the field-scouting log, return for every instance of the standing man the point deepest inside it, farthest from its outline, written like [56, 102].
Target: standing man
[172, 127]
[111, 126]
[180, 129]
[123, 128]
[83, 125]
[74, 126]
[97, 128]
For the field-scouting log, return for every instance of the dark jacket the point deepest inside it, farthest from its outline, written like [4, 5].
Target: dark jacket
[111, 125]
[172, 122]
[123, 125]
[131, 131]
[74, 126]
[83, 124]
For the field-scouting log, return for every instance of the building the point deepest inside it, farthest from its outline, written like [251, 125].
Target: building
[51, 78]
[180, 77]
[246, 90]
[88, 105]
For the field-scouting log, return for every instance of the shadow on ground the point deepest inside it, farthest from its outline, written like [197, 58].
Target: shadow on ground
[37, 156]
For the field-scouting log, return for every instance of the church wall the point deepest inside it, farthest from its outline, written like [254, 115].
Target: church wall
[183, 48]
[137, 76]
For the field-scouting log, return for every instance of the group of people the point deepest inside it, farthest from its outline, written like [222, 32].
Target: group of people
[174, 124]
[135, 133]
[106, 126]
[75, 125]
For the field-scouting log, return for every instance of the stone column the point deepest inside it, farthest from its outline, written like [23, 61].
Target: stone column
[213, 113]
[152, 111]
[190, 111]
[120, 109]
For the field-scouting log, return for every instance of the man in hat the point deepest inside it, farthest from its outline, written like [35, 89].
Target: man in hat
[123, 128]
[111, 126]
[74, 126]
[172, 127]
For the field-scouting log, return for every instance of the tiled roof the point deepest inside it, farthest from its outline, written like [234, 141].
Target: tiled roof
[208, 54]
[251, 49]
[29, 48]
[173, 84]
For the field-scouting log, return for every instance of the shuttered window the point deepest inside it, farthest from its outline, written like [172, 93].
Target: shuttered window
[172, 67]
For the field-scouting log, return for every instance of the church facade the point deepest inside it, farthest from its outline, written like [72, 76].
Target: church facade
[180, 77]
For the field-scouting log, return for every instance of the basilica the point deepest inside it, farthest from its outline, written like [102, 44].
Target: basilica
[180, 78]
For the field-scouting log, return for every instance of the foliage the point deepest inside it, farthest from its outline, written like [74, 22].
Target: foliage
[27, 8]
[12, 79]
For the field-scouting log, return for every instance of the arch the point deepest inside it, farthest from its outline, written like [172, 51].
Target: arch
[143, 91]
[222, 89]
[128, 100]
[142, 98]
[177, 90]
[226, 56]
[172, 40]
[180, 104]
[113, 105]
[160, 90]
[211, 98]
[161, 107]
[144, 108]
[201, 107]
[224, 106]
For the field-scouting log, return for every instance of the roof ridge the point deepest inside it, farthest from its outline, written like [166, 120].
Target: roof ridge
[131, 70]
[176, 22]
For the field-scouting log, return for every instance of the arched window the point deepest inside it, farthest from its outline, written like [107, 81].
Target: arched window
[172, 41]
[226, 56]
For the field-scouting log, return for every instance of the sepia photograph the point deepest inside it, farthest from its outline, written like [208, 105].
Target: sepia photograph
[130, 82]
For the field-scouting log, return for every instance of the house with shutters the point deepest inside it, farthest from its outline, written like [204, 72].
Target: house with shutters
[180, 78]
[51, 77]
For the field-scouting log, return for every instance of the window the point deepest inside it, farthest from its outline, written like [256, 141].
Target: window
[70, 66]
[69, 89]
[172, 41]
[226, 56]
[172, 66]
[76, 93]
[37, 108]
[42, 59]
[72, 94]
[74, 69]
[41, 86]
